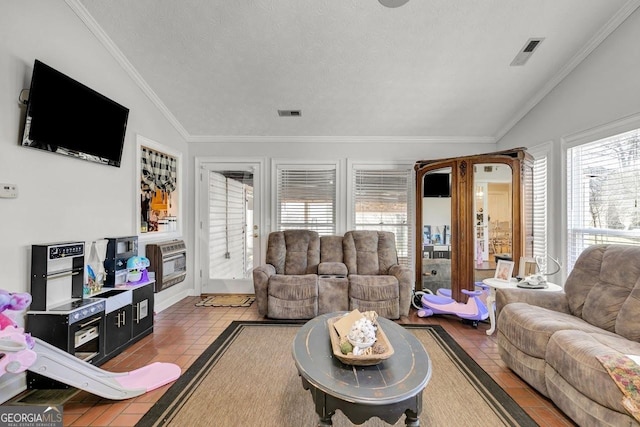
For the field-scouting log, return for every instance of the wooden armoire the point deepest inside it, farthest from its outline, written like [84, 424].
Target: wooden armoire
[471, 212]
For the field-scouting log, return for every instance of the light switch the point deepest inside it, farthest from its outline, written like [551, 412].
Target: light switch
[8, 191]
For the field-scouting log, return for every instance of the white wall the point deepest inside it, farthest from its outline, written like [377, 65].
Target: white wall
[436, 212]
[61, 198]
[64, 199]
[602, 91]
[392, 150]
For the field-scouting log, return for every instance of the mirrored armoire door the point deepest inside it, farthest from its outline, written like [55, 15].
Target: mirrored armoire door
[471, 212]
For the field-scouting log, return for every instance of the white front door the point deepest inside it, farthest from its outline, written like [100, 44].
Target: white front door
[229, 235]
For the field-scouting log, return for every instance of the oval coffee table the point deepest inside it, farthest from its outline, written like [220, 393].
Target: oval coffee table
[387, 390]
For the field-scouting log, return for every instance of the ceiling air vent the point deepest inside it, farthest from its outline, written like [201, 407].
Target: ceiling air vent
[525, 53]
[289, 113]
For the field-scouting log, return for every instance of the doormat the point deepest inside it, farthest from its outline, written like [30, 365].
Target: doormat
[227, 300]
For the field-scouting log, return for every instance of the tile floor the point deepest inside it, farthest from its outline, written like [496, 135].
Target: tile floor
[183, 331]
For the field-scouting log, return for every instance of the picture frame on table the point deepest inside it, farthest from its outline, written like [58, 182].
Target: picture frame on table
[528, 266]
[504, 270]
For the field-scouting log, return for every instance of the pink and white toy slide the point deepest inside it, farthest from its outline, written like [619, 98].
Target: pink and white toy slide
[19, 352]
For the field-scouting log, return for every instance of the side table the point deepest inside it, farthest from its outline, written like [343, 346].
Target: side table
[511, 284]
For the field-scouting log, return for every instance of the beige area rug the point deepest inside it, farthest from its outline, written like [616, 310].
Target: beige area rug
[227, 300]
[247, 377]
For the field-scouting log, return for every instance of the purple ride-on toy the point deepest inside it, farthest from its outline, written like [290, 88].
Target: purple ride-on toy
[474, 310]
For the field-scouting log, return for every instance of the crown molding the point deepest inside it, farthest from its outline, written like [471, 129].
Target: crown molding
[622, 14]
[249, 139]
[625, 124]
[93, 26]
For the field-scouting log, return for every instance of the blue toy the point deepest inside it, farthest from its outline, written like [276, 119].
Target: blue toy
[474, 310]
[137, 270]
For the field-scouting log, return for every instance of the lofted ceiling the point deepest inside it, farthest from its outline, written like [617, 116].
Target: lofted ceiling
[429, 70]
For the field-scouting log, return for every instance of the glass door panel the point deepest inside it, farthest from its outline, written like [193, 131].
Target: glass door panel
[492, 183]
[436, 230]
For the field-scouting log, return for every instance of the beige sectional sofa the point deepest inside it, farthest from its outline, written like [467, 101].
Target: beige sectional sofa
[552, 339]
[306, 275]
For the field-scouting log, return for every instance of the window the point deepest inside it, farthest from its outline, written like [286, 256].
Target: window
[306, 198]
[381, 201]
[603, 188]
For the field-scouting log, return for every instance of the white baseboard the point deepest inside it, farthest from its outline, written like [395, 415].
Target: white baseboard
[169, 301]
[11, 385]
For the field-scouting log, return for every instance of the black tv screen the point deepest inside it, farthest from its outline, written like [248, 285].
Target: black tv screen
[64, 116]
[436, 185]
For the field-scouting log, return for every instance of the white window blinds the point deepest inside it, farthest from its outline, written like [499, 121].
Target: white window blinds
[381, 202]
[540, 207]
[603, 187]
[227, 228]
[306, 198]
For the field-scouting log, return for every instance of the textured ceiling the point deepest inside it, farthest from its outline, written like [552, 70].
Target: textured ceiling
[430, 69]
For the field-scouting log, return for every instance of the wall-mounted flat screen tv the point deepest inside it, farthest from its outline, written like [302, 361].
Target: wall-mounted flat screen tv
[437, 185]
[66, 117]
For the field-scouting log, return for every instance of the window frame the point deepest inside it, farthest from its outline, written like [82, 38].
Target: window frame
[595, 134]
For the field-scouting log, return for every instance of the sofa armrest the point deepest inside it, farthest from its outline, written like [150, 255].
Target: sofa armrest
[261, 275]
[405, 281]
[332, 269]
[556, 301]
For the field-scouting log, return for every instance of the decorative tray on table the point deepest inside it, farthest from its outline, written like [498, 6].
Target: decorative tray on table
[362, 360]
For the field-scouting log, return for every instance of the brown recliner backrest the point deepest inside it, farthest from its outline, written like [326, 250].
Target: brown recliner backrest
[294, 251]
[604, 288]
[331, 249]
[369, 252]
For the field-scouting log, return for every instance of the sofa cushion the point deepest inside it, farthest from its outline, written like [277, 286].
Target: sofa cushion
[529, 327]
[293, 296]
[333, 269]
[584, 411]
[604, 288]
[333, 294]
[388, 309]
[369, 252]
[294, 251]
[377, 293]
[373, 288]
[572, 354]
[331, 249]
[529, 368]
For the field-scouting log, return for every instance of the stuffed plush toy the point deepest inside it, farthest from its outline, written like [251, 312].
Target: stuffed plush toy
[12, 301]
[15, 345]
